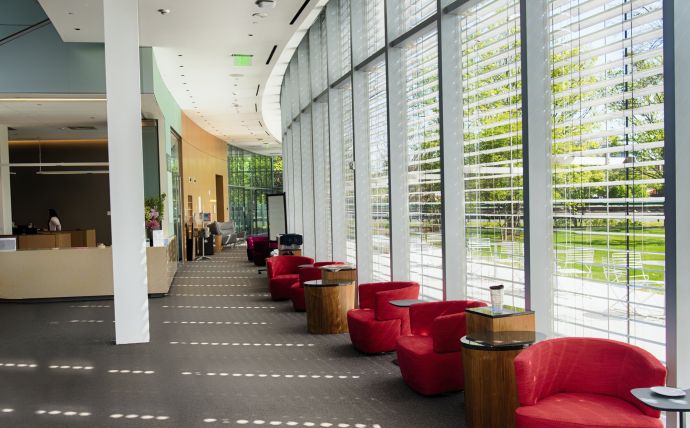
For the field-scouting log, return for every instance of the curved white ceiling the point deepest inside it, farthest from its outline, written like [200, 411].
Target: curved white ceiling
[194, 44]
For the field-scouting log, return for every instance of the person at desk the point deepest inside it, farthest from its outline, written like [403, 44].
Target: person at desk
[54, 222]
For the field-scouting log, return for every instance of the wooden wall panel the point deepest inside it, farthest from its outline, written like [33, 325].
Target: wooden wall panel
[203, 157]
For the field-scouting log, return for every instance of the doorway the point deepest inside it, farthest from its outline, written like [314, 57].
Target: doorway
[220, 199]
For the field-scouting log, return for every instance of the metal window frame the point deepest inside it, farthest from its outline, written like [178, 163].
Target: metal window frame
[536, 143]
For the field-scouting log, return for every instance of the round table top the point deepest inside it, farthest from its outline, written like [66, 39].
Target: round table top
[502, 341]
[337, 267]
[405, 303]
[326, 283]
[660, 402]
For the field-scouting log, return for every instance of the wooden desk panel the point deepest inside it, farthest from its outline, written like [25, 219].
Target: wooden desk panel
[490, 388]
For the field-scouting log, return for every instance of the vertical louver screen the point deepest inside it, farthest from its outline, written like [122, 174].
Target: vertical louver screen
[416, 11]
[608, 169]
[424, 164]
[345, 95]
[345, 39]
[377, 133]
[492, 138]
[374, 25]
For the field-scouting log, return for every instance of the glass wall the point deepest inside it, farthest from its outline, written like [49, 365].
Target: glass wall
[492, 140]
[423, 150]
[377, 133]
[608, 174]
[459, 159]
[250, 178]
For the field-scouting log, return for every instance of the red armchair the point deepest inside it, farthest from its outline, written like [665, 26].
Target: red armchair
[584, 382]
[430, 359]
[306, 274]
[376, 325]
[251, 239]
[282, 273]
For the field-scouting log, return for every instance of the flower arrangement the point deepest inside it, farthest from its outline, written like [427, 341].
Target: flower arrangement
[154, 209]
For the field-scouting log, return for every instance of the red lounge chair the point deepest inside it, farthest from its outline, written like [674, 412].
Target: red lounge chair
[584, 382]
[282, 273]
[430, 359]
[251, 239]
[376, 325]
[306, 274]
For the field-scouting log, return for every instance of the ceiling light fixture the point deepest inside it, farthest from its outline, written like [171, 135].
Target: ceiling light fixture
[164, 11]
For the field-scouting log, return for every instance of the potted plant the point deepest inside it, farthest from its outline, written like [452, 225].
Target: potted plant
[154, 210]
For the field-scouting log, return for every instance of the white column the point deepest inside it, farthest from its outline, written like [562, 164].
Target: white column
[454, 254]
[397, 150]
[308, 229]
[319, 112]
[537, 153]
[5, 191]
[362, 187]
[678, 334]
[121, 36]
[339, 230]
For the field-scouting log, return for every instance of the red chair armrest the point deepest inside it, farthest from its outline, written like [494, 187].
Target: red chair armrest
[446, 331]
[367, 292]
[422, 315]
[383, 310]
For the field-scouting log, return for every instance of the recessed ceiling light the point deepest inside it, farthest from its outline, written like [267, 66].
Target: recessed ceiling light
[179, 54]
[164, 11]
[77, 29]
[251, 35]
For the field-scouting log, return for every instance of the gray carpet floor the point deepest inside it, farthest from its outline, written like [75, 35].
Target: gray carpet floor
[221, 354]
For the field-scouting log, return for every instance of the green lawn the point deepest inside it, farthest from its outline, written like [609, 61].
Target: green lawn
[603, 243]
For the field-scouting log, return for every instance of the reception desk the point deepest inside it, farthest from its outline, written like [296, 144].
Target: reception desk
[76, 272]
[63, 239]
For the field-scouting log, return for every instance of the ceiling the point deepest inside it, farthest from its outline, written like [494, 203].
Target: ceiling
[48, 119]
[194, 43]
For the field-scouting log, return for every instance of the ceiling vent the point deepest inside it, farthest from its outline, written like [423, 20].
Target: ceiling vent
[270, 56]
[299, 12]
[82, 128]
[265, 4]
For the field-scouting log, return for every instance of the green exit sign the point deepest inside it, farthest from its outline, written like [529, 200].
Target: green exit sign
[242, 60]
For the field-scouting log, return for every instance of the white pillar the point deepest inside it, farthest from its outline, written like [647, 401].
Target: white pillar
[362, 186]
[536, 85]
[397, 150]
[678, 316]
[5, 192]
[121, 36]
[454, 254]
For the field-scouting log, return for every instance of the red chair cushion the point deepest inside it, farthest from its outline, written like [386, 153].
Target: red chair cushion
[297, 297]
[369, 335]
[580, 410]
[279, 286]
[583, 365]
[428, 372]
